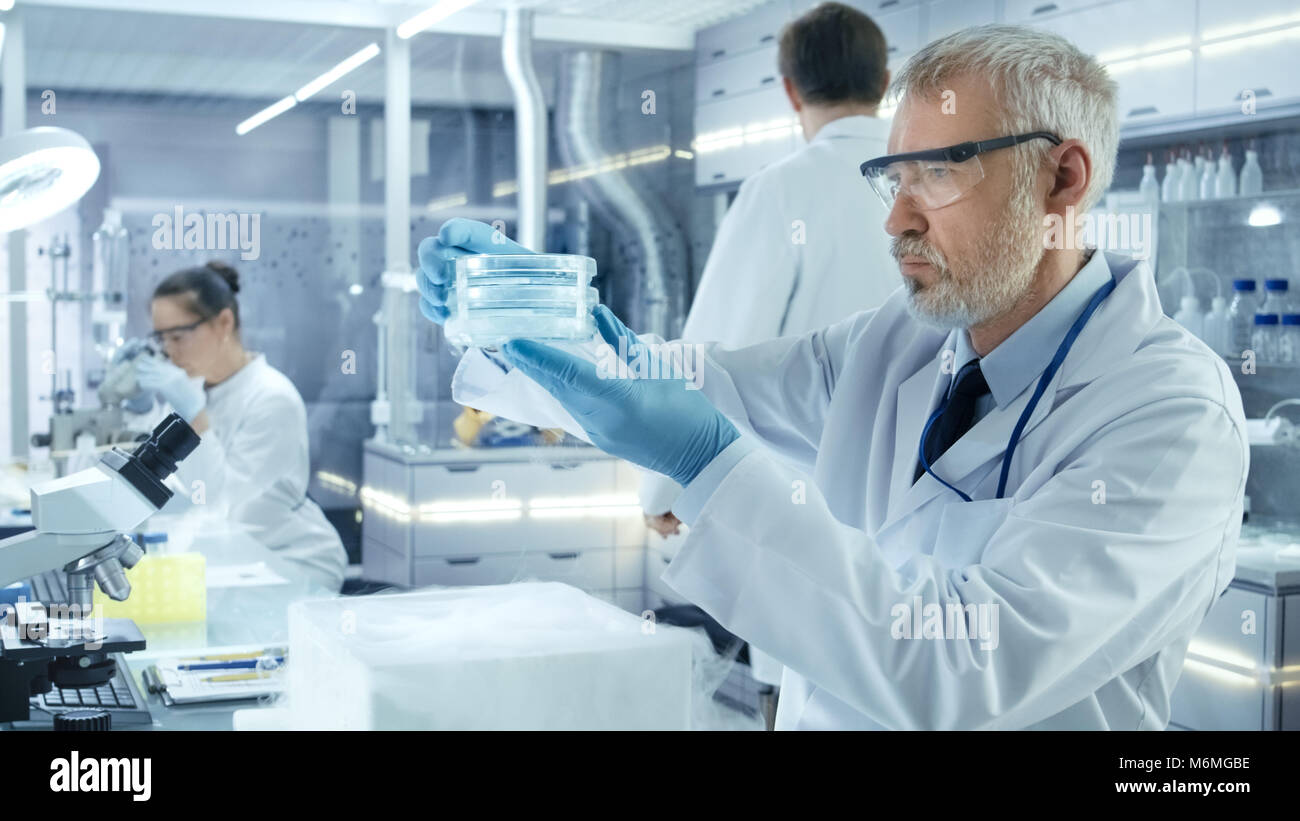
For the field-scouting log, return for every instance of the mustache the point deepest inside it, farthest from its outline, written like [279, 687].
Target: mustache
[913, 246]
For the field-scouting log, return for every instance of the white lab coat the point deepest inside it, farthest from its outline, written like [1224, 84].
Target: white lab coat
[254, 465]
[1118, 533]
[802, 246]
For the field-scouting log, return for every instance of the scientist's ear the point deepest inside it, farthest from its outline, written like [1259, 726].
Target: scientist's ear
[796, 102]
[1070, 165]
[224, 323]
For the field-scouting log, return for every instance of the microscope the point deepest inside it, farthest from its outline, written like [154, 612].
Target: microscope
[80, 521]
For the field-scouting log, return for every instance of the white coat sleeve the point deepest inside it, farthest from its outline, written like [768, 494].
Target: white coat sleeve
[744, 292]
[256, 454]
[777, 391]
[1083, 591]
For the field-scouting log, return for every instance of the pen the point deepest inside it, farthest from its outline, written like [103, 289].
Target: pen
[240, 656]
[237, 677]
[247, 664]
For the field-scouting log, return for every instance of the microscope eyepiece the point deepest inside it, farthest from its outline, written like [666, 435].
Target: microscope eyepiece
[169, 443]
[154, 459]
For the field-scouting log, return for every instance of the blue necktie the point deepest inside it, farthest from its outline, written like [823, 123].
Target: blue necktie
[958, 414]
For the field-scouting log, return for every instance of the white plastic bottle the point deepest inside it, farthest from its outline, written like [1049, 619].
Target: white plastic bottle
[1241, 315]
[1169, 187]
[1288, 340]
[1275, 298]
[1209, 176]
[1187, 180]
[1190, 317]
[1198, 174]
[1225, 185]
[1264, 339]
[1252, 176]
[1149, 188]
[1217, 328]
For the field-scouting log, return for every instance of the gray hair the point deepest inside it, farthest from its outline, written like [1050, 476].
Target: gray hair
[1042, 83]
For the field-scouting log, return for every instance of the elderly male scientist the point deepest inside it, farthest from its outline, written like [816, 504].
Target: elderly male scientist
[1020, 430]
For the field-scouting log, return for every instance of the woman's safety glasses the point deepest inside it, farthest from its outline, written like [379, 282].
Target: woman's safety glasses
[937, 177]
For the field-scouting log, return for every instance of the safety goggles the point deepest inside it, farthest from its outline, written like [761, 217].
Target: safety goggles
[175, 335]
[940, 176]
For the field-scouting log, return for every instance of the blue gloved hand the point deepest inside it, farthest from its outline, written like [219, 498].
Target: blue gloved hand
[659, 424]
[457, 238]
[159, 376]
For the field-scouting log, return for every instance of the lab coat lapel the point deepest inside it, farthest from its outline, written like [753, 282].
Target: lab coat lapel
[917, 399]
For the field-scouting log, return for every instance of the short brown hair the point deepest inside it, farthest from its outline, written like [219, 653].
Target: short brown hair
[834, 53]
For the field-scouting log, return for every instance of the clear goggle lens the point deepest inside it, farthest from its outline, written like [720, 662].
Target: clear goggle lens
[929, 184]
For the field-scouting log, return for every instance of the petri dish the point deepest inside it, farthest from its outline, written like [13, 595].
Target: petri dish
[499, 297]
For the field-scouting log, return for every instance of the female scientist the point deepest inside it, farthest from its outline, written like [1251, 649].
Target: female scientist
[253, 459]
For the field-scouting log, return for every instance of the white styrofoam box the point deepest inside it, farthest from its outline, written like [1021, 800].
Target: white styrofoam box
[737, 75]
[588, 569]
[629, 567]
[754, 29]
[526, 656]
[947, 16]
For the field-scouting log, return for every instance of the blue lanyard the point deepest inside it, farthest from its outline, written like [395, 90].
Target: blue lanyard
[1043, 382]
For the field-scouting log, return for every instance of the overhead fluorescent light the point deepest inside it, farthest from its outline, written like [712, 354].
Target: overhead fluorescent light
[273, 110]
[1252, 41]
[432, 16]
[5, 5]
[362, 56]
[1257, 24]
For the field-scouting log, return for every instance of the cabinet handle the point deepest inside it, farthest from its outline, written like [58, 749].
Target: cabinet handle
[719, 176]
[722, 52]
[718, 92]
[471, 560]
[884, 4]
[461, 468]
[891, 49]
[767, 80]
[767, 38]
[565, 465]
[1143, 110]
[560, 556]
[1044, 9]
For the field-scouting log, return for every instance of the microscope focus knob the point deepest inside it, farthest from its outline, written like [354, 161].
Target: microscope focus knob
[83, 721]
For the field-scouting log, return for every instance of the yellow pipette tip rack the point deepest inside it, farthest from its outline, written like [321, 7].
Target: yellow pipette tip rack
[164, 589]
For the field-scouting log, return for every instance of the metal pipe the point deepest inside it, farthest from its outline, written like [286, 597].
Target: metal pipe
[13, 119]
[587, 79]
[530, 126]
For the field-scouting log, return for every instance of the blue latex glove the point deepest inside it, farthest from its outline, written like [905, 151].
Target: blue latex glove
[659, 424]
[159, 376]
[457, 238]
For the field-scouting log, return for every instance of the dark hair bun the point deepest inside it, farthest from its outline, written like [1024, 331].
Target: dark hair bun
[226, 272]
